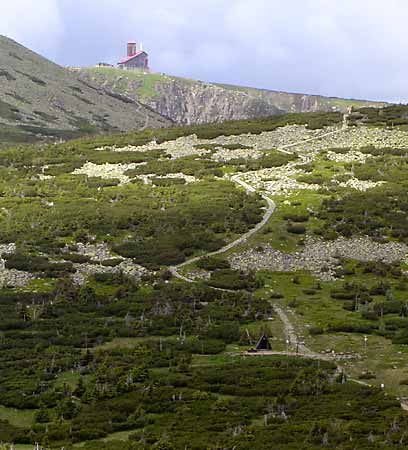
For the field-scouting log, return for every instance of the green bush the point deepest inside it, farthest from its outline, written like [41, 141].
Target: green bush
[296, 229]
[213, 263]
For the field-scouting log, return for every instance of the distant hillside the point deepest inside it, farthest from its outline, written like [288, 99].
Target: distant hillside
[182, 100]
[293, 102]
[188, 101]
[40, 99]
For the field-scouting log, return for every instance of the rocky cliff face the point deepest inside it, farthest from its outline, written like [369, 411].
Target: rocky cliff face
[300, 103]
[183, 101]
[197, 103]
[187, 101]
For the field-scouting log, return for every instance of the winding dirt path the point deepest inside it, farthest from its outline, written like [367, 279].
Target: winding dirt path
[305, 141]
[289, 330]
[268, 213]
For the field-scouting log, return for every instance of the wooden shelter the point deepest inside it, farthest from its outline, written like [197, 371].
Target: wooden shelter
[263, 344]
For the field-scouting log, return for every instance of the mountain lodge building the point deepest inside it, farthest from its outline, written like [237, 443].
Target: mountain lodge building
[136, 59]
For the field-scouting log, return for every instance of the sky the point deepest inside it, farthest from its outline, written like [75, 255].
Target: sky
[343, 48]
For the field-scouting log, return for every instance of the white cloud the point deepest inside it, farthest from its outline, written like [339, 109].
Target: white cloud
[346, 48]
[35, 23]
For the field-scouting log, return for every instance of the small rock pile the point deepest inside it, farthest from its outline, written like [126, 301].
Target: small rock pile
[178, 148]
[279, 180]
[147, 178]
[360, 185]
[127, 267]
[10, 277]
[107, 171]
[43, 177]
[97, 252]
[223, 154]
[349, 157]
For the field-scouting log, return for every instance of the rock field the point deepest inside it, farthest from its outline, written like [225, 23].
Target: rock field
[319, 257]
[352, 137]
[11, 278]
[190, 145]
[358, 137]
[274, 181]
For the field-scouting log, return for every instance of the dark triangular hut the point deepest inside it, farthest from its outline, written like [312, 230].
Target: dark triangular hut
[263, 343]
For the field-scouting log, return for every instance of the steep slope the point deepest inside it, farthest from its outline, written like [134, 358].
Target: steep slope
[194, 102]
[39, 98]
[182, 100]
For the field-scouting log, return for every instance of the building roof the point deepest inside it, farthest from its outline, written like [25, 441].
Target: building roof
[263, 343]
[129, 58]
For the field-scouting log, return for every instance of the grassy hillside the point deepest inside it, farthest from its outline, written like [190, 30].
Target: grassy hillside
[144, 83]
[40, 100]
[102, 346]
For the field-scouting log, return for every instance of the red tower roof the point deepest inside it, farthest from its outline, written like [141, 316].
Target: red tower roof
[126, 60]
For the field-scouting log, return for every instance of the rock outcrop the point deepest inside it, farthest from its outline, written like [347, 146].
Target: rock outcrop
[198, 103]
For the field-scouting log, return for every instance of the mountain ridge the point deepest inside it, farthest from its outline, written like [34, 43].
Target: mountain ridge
[323, 103]
[42, 101]
[187, 101]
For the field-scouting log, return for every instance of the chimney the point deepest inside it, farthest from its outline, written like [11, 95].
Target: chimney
[131, 49]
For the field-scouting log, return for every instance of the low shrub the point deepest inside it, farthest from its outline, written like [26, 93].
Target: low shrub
[296, 229]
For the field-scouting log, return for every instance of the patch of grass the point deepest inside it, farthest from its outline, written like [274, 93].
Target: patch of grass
[147, 81]
[8, 112]
[17, 417]
[67, 378]
[47, 117]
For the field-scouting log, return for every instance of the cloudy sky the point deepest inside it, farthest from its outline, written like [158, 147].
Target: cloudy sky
[345, 48]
